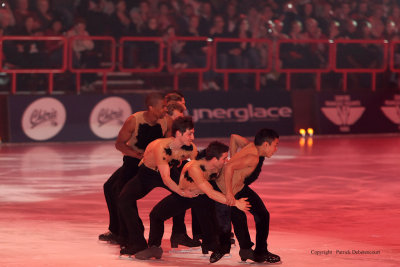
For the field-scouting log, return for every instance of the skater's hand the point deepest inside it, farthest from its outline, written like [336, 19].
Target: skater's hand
[230, 199]
[242, 204]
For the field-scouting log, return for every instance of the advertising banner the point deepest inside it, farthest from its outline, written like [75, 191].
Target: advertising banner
[69, 117]
[367, 112]
[220, 114]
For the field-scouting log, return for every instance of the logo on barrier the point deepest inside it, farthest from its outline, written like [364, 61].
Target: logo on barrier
[343, 111]
[244, 114]
[43, 119]
[108, 116]
[391, 109]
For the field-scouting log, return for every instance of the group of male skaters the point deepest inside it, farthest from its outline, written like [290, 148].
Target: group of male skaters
[159, 151]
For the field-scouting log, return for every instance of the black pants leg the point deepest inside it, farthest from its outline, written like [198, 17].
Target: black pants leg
[132, 226]
[170, 206]
[113, 187]
[223, 214]
[241, 229]
[205, 215]
[261, 218]
[196, 229]
[178, 221]
[175, 204]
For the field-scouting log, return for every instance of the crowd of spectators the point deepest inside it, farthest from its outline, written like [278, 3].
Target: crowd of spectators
[272, 19]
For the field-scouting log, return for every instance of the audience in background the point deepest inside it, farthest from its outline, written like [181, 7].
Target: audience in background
[272, 19]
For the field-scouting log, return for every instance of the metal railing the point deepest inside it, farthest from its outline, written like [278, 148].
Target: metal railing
[129, 48]
[17, 69]
[248, 42]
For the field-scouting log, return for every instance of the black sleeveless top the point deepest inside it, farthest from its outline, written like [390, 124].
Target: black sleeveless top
[145, 133]
[254, 175]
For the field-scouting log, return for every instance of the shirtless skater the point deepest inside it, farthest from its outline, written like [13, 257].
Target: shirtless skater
[242, 169]
[194, 178]
[136, 133]
[154, 172]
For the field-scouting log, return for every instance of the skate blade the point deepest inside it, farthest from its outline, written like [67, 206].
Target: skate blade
[184, 251]
[126, 257]
[132, 258]
[259, 263]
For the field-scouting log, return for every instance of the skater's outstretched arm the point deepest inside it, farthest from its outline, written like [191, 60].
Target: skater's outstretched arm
[198, 178]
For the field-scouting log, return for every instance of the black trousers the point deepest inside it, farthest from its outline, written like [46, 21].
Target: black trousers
[239, 221]
[113, 186]
[132, 228]
[173, 205]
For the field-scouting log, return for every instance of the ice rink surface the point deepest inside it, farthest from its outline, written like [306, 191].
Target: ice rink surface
[333, 201]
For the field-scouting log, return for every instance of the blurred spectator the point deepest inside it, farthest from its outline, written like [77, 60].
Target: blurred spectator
[21, 11]
[184, 17]
[350, 29]
[391, 31]
[80, 45]
[292, 54]
[151, 29]
[206, 17]
[197, 18]
[149, 51]
[325, 17]
[64, 10]
[9, 52]
[54, 49]
[137, 23]
[361, 12]
[289, 16]
[334, 30]
[30, 53]
[194, 51]
[154, 7]
[394, 15]
[255, 21]
[6, 48]
[378, 14]
[307, 12]
[82, 48]
[377, 30]
[317, 56]
[333, 80]
[144, 11]
[165, 16]
[266, 15]
[44, 15]
[7, 20]
[177, 57]
[273, 30]
[96, 21]
[243, 54]
[120, 23]
[231, 18]
[222, 50]
[344, 50]
[298, 56]
[342, 13]
[364, 56]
